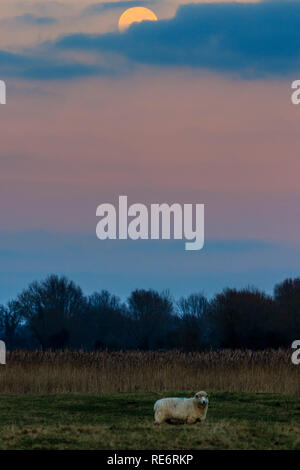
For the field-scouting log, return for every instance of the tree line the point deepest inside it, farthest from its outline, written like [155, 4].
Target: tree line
[55, 313]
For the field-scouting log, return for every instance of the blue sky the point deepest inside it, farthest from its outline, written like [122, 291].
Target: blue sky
[121, 266]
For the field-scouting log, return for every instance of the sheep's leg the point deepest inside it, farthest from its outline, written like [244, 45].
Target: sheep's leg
[191, 421]
[158, 418]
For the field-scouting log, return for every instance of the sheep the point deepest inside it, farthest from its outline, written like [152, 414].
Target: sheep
[181, 410]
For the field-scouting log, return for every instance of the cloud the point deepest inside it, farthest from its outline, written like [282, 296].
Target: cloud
[35, 20]
[44, 68]
[48, 8]
[250, 39]
[28, 19]
[108, 6]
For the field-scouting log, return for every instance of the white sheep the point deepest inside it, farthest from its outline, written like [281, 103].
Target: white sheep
[181, 410]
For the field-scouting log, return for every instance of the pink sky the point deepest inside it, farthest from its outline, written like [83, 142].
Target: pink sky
[66, 148]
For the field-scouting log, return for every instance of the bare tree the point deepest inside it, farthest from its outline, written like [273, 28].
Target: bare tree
[10, 320]
[153, 314]
[287, 298]
[192, 333]
[51, 309]
[109, 326]
[243, 319]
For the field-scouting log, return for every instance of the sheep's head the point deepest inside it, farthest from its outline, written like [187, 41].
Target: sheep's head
[201, 399]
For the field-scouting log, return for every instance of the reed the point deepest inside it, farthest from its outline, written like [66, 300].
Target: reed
[49, 372]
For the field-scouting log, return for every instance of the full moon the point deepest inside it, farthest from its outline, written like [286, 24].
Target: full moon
[135, 15]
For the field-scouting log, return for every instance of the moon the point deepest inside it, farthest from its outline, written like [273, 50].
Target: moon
[135, 15]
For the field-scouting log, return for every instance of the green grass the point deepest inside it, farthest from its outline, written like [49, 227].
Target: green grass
[125, 421]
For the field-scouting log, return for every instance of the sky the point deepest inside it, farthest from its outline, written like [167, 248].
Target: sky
[193, 108]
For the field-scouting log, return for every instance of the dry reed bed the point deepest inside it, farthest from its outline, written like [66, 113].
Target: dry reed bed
[104, 372]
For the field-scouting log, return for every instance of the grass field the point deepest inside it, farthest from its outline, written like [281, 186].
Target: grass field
[125, 421]
[104, 400]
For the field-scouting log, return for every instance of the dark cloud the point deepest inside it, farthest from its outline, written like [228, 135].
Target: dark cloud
[249, 40]
[43, 68]
[253, 40]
